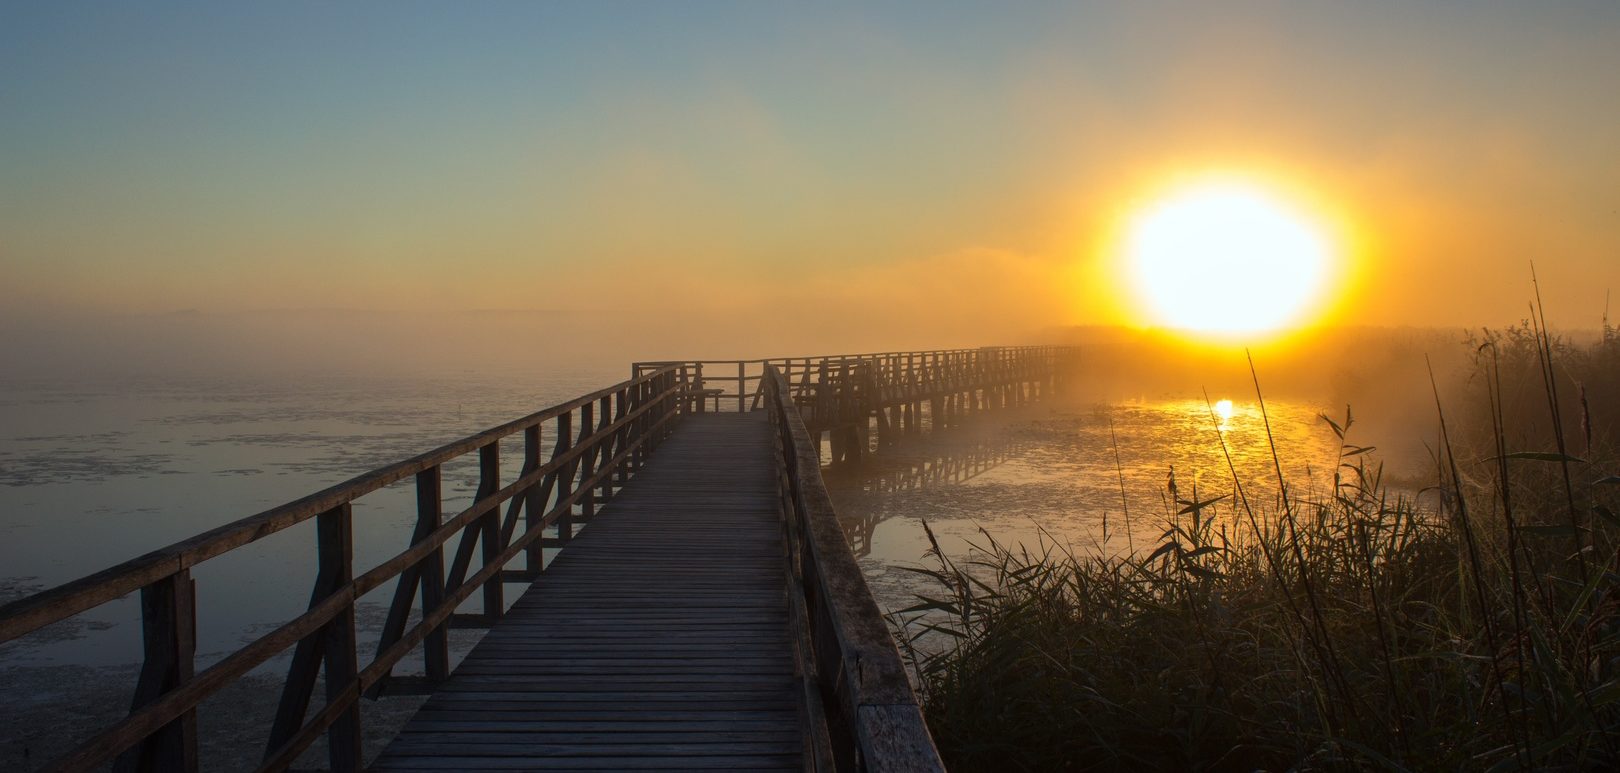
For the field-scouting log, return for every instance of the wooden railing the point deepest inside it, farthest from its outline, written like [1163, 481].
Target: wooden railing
[861, 711]
[737, 385]
[598, 441]
[854, 397]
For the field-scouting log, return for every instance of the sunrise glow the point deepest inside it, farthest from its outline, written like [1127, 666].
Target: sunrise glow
[1226, 258]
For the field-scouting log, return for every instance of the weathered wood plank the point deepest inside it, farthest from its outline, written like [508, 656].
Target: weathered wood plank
[726, 762]
[642, 645]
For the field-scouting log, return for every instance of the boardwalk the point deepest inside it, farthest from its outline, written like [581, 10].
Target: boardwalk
[657, 640]
[702, 608]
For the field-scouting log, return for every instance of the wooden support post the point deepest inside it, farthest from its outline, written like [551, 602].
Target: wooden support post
[169, 635]
[405, 590]
[565, 476]
[587, 461]
[534, 501]
[697, 386]
[603, 453]
[334, 532]
[336, 535]
[639, 395]
[430, 515]
[621, 441]
[489, 482]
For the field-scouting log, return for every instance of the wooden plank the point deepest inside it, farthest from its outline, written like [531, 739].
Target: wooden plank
[481, 744]
[643, 646]
[726, 762]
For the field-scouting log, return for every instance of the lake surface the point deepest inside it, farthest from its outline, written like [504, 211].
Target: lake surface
[95, 473]
[1086, 478]
[92, 474]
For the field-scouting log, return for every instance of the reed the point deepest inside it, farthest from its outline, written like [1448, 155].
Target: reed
[1474, 625]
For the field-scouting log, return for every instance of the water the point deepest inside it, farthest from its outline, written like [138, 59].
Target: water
[94, 473]
[1050, 475]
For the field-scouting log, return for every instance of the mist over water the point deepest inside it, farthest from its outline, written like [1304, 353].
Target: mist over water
[96, 468]
[95, 471]
[1048, 476]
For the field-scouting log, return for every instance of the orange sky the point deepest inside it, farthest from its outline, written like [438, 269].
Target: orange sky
[925, 172]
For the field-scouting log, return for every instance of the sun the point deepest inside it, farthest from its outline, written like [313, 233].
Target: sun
[1226, 258]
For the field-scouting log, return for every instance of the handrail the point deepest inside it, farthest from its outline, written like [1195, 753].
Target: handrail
[583, 469]
[26, 615]
[893, 376]
[861, 356]
[864, 714]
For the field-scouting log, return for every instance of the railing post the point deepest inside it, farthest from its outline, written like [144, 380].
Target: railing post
[489, 482]
[639, 394]
[603, 452]
[336, 537]
[169, 635]
[697, 386]
[430, 515]
[333, 643]
[565, 476]
[587, 461]
[534, 504]
[621, 441]
[413, 578]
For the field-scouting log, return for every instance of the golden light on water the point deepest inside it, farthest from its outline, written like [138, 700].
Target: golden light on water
[1223, 409]
[1226, 258]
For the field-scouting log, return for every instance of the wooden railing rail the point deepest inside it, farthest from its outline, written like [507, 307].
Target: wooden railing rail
[159, 734]
[861, 711]
[895, 375]
[856, 398]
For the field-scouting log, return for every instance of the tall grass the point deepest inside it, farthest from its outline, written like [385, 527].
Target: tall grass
[1475, 626]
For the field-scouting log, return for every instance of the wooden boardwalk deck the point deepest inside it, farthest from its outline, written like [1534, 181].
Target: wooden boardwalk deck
[657, 640]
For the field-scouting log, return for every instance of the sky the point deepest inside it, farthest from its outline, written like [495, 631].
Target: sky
[926, 174]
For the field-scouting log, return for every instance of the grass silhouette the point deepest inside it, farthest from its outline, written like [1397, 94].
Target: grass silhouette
[1472, 625]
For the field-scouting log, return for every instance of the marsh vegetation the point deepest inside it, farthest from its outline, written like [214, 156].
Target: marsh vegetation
[1470, 624]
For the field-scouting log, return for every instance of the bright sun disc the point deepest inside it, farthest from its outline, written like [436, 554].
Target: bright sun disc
[1225, 259]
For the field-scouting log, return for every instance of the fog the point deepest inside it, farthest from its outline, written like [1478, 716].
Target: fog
[1382, 372]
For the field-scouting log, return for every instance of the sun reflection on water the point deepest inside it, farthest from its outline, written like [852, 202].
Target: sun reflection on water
[1052, 477]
